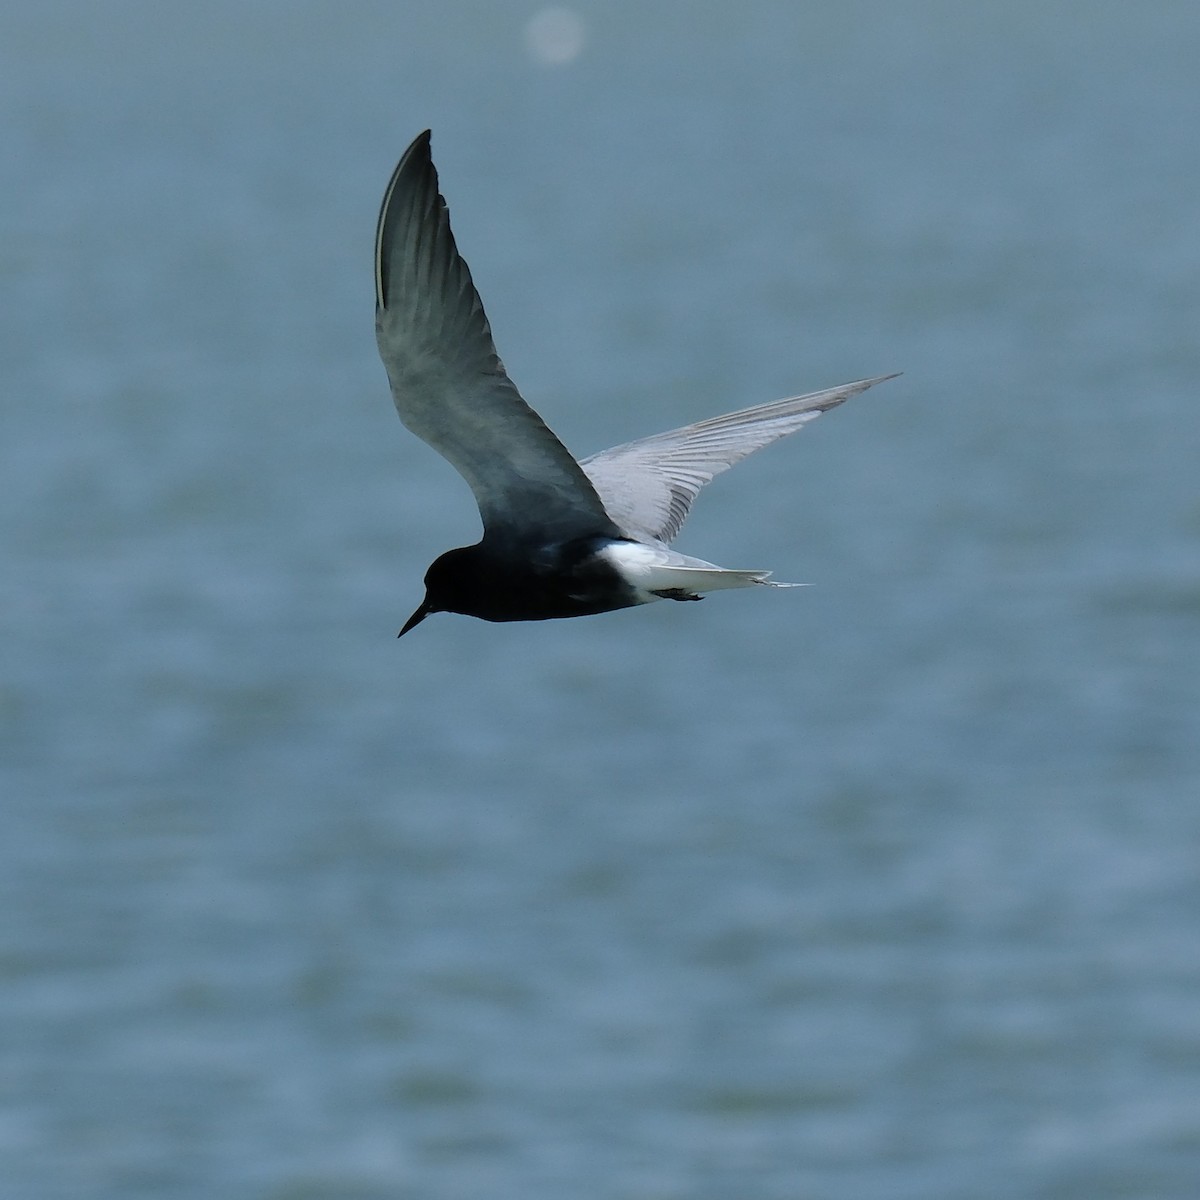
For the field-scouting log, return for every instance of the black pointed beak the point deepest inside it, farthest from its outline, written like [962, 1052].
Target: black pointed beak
[417, 617]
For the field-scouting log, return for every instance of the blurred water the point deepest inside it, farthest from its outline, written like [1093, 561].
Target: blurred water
[886, 888]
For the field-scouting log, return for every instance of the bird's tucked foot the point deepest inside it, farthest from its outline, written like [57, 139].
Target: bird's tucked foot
[676, 594]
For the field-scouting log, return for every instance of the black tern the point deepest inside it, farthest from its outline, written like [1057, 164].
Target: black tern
[561, 538]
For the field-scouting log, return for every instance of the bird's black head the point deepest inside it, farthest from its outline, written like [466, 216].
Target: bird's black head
[450, 586]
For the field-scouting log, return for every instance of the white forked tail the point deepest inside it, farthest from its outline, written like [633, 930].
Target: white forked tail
[711, 579]
[653, 570]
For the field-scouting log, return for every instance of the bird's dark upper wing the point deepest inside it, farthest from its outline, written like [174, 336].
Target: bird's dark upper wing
[448, 383]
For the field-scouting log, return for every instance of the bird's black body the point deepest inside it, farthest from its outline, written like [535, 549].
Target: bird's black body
[505, 582]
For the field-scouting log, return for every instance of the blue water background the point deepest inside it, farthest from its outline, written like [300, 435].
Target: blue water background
[884, 889]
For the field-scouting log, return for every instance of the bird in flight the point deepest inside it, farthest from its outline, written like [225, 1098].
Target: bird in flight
[561, 538]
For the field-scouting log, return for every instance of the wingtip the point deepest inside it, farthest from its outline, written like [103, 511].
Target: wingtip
[418, 151]
[847, 391]
[418, 147]
[829, 398]
[863, 384]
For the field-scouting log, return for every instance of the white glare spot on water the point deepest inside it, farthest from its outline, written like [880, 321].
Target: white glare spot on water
[555, 36]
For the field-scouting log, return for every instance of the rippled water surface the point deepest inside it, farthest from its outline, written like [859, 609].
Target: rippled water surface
[884, 889]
